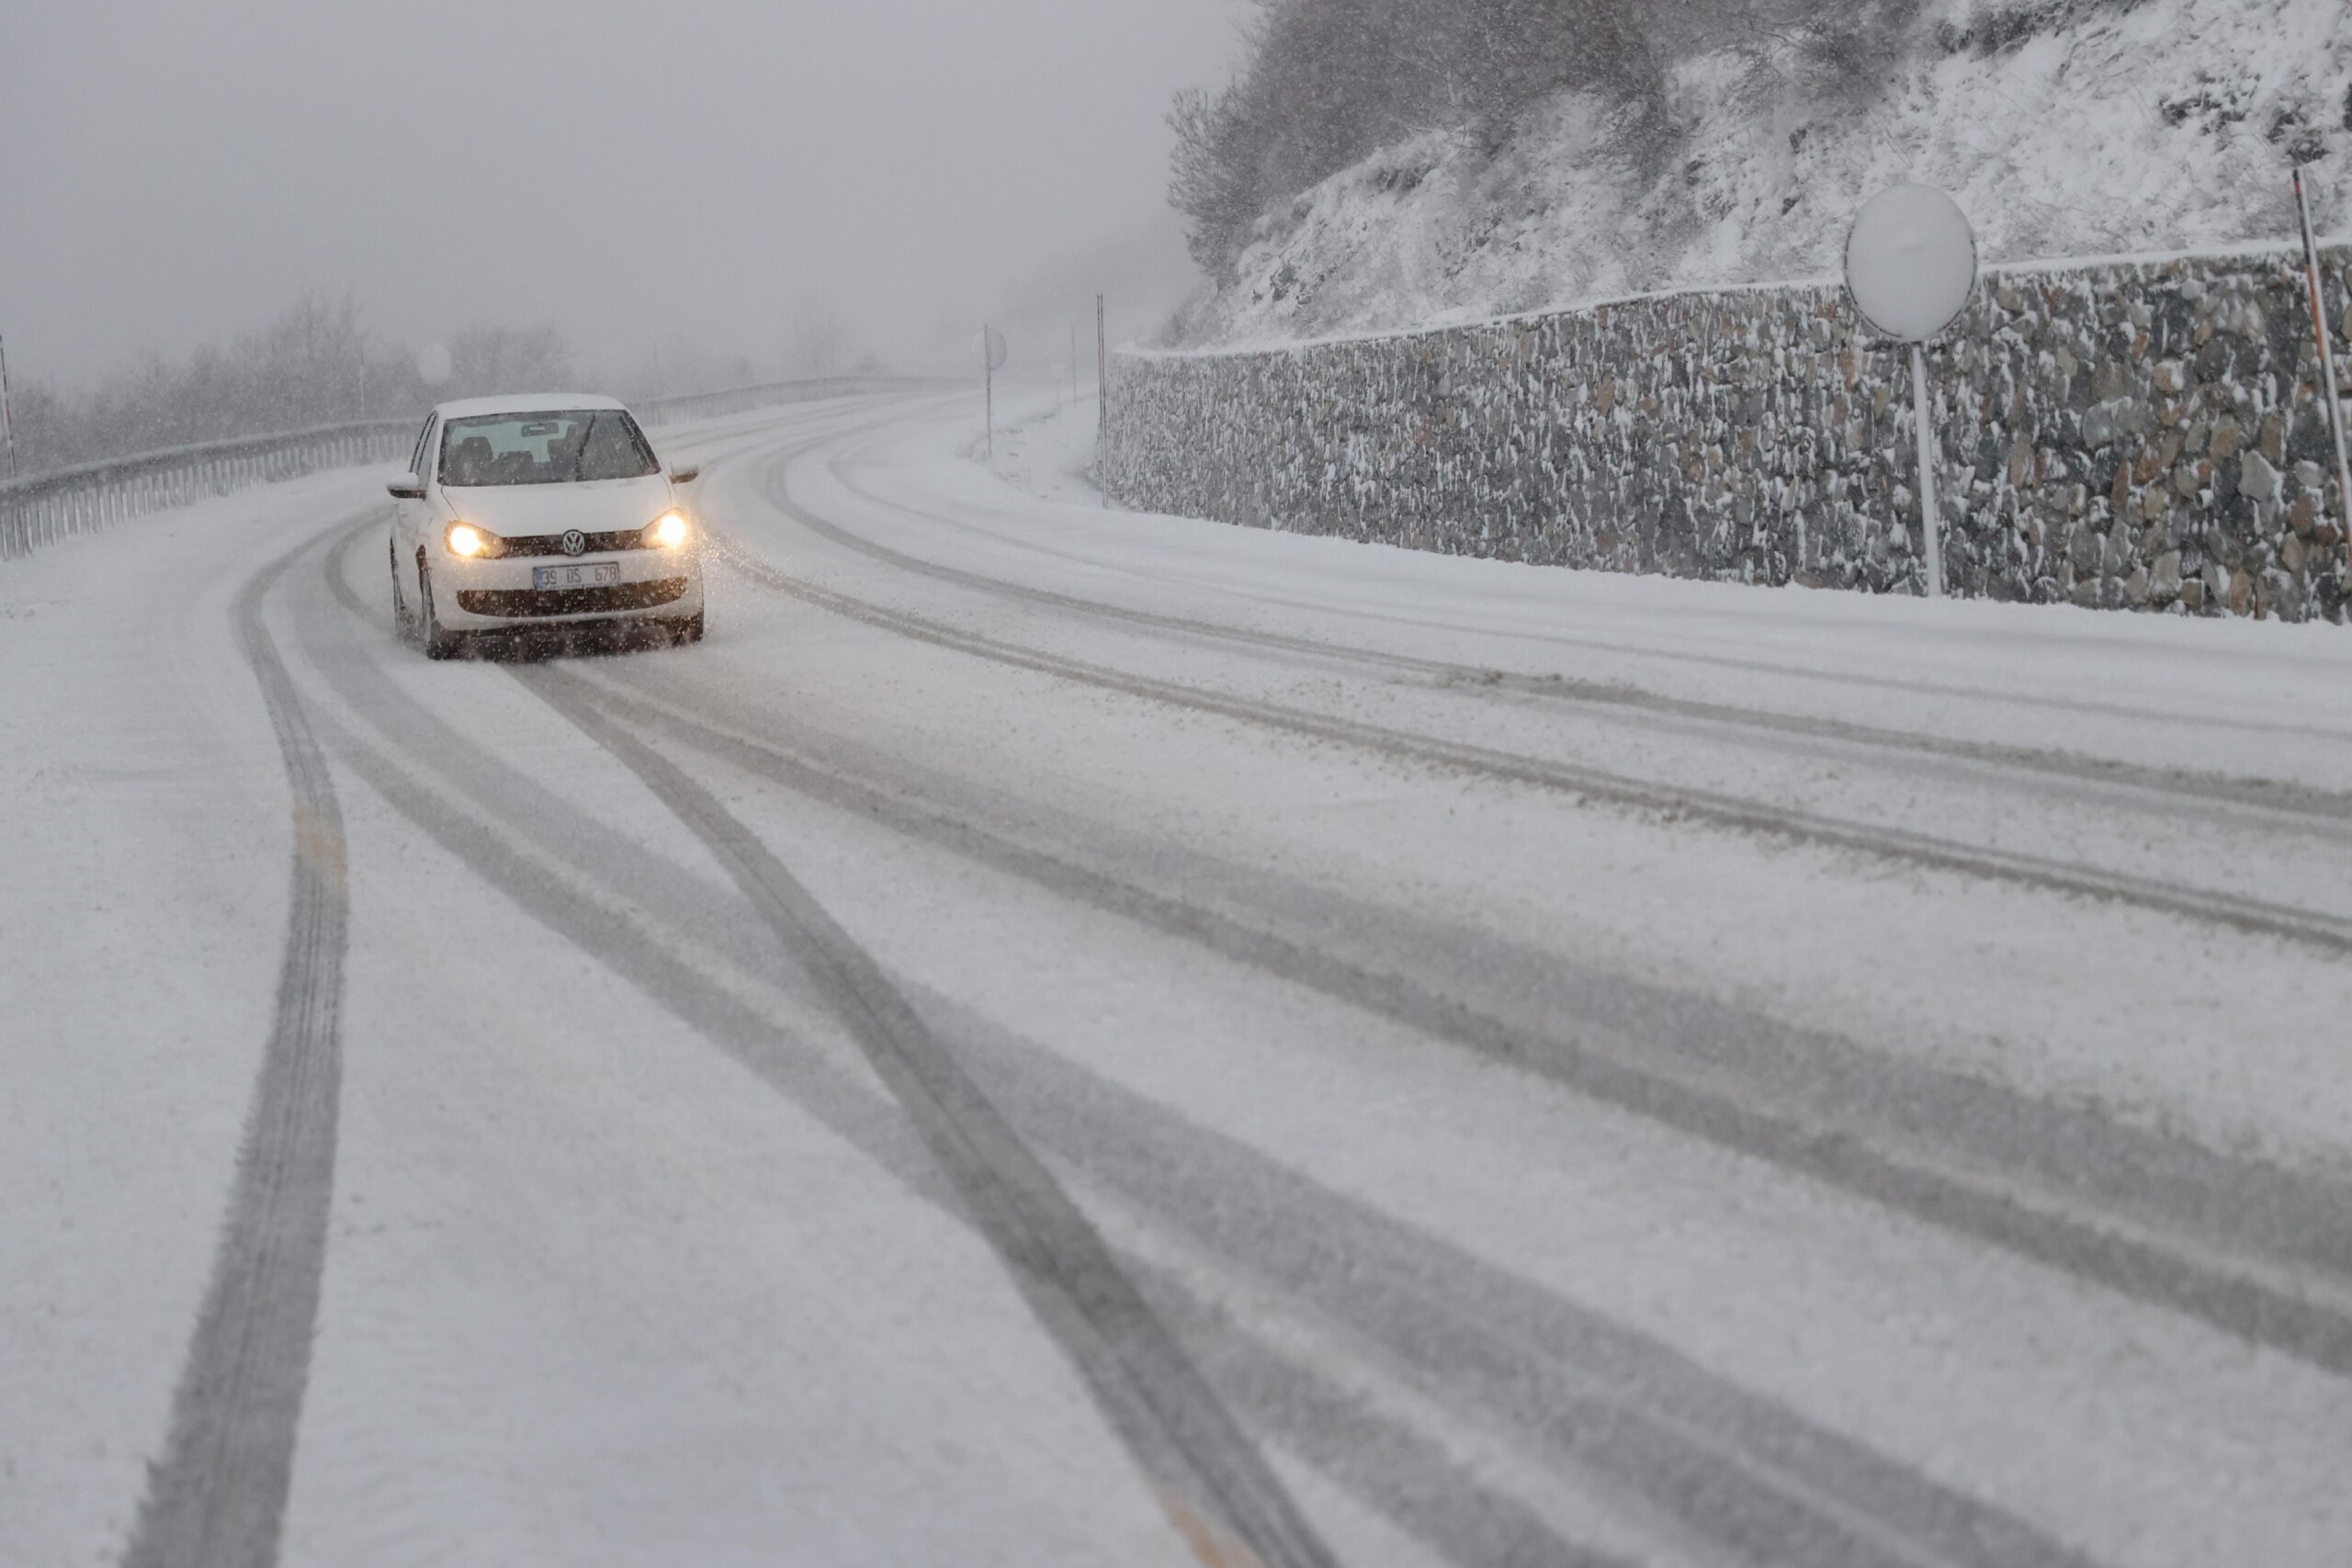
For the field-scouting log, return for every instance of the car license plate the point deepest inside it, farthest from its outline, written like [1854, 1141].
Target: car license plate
[603, 575]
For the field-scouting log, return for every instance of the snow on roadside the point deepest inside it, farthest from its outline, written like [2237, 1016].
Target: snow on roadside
[1045, 447]
[143, 912]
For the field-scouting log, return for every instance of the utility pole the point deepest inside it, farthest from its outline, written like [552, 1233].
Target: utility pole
[7, 409]
[2328, 394]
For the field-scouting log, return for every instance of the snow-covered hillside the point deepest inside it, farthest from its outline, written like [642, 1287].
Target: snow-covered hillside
[2111, 125]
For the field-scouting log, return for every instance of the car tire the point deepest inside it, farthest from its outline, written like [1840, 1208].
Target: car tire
[438, 644]
[403, 618]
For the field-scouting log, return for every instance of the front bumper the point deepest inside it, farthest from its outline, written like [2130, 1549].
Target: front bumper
[482, 595]
[551, 604]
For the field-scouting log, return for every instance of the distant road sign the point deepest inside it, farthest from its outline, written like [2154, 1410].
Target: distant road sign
[996, 349]
[1911, 262]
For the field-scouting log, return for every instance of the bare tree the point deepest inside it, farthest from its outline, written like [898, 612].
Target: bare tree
[819, 344]
[1328, 82]
[489, 359]
[1805, 51]
[315, 364]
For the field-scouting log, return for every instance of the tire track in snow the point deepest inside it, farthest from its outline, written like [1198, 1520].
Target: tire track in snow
[1737, 1470]
[1217, 1488]
[2257, 791]
[1839, 1503]
[2252, 1251]
[2261, 917]
[1411, 1335]
[2276, 807]
[1586, 1392]
[218, 1495]
[1391, 1470]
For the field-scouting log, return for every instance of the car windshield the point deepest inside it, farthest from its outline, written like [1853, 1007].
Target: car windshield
[545, 448]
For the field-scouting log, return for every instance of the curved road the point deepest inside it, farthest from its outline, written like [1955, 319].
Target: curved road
[1062, 1037]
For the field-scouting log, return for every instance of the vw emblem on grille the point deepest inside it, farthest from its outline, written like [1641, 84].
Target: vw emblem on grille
[575, 543]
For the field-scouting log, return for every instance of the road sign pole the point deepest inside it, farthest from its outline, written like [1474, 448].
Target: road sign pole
[1931, 528]
[7, 409]
[1102, 405]
[2329, 398]
[987, 377]
[1911, 267]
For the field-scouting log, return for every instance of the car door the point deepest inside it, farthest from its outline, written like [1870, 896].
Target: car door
[409, 516]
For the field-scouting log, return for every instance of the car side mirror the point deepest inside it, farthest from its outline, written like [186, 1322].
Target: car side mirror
[408, 487]
[685, 476]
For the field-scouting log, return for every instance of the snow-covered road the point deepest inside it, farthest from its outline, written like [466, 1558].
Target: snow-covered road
[1063, 1037]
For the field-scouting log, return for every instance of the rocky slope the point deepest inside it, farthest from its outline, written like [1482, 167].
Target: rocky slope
[2067, 129]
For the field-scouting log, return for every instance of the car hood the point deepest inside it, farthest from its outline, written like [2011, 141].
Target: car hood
[599, 506]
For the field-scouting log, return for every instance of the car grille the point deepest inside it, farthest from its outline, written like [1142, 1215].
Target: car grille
[520, 603]
[552, 544]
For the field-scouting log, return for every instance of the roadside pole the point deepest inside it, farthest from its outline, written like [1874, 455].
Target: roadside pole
[2330, 396]
[1930, 526]
[7, 409]
[1102, 407]
[994, 352]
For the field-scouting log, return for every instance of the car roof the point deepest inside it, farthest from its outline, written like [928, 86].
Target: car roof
[525, 403]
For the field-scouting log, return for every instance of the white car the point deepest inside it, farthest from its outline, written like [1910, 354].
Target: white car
[542, 511]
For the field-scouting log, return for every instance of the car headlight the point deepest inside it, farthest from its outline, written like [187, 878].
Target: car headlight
[667, 531]
[465, 539]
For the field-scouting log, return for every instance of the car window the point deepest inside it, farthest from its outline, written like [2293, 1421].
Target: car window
[424, 445]
[567, 447]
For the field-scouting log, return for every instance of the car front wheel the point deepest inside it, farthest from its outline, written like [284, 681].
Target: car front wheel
[438, 643]
[403, 620]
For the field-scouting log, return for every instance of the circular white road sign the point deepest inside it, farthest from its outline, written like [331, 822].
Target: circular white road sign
[1911, 262]
[433, 364]
[995, 348]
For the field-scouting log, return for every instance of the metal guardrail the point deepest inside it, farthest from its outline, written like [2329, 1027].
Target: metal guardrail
[44, 508]
[742, 400]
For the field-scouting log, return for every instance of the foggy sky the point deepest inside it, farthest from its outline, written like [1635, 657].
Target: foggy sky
[646, 177]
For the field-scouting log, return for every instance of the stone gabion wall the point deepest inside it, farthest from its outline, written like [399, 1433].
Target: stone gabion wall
[2129, 435]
